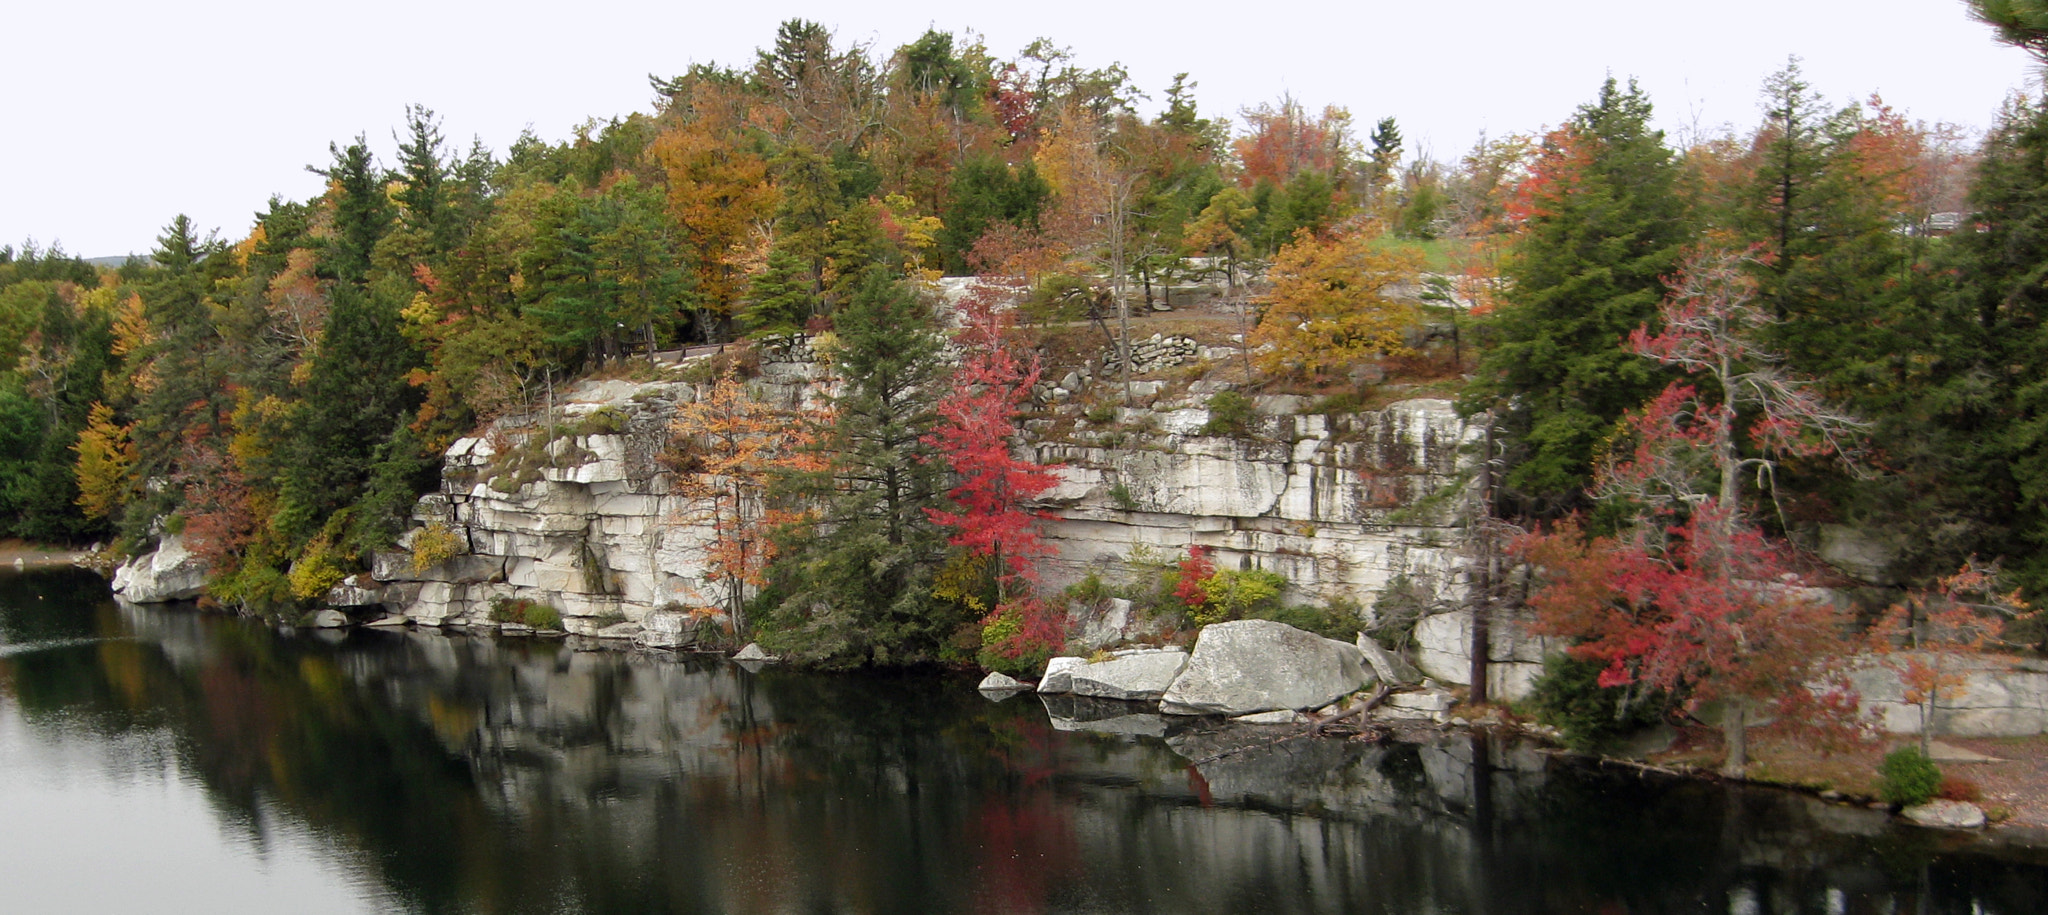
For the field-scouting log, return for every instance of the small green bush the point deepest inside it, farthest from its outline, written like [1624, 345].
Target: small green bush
[1230, 413]
[601, 421]
[1120, 496]
[1235, 594]
[526, 612]
[542, 616]
[1338, 620]
[1101, 414]
[1090, 590]
[1569, 697]
[1341, 404]
[1909, 777]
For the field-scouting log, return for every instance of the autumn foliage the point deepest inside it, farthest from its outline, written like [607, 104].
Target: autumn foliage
[977, 436]
[1715, 617]
[1331, 303]
[728, 445]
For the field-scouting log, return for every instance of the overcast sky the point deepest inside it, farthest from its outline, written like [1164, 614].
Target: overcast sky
[124, 114]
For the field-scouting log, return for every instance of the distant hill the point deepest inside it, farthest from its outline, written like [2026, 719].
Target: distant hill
[115, 261]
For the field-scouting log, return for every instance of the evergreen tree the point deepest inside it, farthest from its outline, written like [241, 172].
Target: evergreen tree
[1970, 438]
[781, 298]
[1823, 227]
[424, 195]
[362, 212]
[355, 399]
[1605, 226]
[855, 583]
[187, 399]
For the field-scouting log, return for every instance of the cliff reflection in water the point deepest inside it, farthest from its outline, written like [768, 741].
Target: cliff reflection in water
[474, 775]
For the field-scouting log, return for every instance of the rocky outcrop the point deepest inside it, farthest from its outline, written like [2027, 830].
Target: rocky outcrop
[1443, 650]
[1134, 675]
[584, 518]
[1387, 665]
[675, 630]
[1059, 676]
[1342, 506]
[168, 573]
[1249, 666]
[1998, 697]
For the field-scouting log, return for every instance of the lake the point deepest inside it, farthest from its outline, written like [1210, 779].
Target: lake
[164, 760]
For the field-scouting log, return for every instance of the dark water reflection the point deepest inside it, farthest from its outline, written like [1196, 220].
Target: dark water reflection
[383, 771]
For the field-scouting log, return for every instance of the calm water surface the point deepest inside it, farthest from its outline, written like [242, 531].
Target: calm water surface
[159, 760]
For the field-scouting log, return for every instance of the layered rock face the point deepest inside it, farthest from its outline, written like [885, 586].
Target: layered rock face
[1995, 697]
[590, 524]
[586, 523]
[1340, 505]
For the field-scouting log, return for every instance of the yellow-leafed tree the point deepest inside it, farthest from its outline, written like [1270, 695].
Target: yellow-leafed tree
[1329, 305]
[104, 456]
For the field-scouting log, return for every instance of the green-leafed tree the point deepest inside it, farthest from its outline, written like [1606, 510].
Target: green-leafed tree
[987, 192]
[1971, 445]
[2021, 23]
[1605, 225]
[1822, 226]
[852, 586]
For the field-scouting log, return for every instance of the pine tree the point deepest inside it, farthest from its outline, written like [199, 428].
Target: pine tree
[856, 581]
[1822, 225]
[1972, 444]
[1604, 225]
[362, 212]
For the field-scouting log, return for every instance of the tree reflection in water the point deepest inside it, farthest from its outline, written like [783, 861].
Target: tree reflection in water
[469, 774]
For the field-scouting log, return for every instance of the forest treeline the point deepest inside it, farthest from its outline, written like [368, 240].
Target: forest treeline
[282, 398]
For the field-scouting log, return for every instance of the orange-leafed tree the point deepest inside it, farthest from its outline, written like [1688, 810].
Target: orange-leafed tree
[726, 447]
[1329, 306]
[1930, 638]
[718, 190]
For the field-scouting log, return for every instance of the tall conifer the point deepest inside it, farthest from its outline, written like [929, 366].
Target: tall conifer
[1605, 225]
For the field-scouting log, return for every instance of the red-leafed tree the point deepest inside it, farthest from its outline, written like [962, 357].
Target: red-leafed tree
[976, 435]
[992, 485]
[1283, 140]
[1714, 615]
[1711, 328]
[1693, 599]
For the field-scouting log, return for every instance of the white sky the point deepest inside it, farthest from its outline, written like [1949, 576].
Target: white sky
[123, 114]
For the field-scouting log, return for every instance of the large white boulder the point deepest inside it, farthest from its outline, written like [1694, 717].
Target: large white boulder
[171, 573]
[672, 629]
[1138, 675]
[1248, 666]
[1059, 675]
